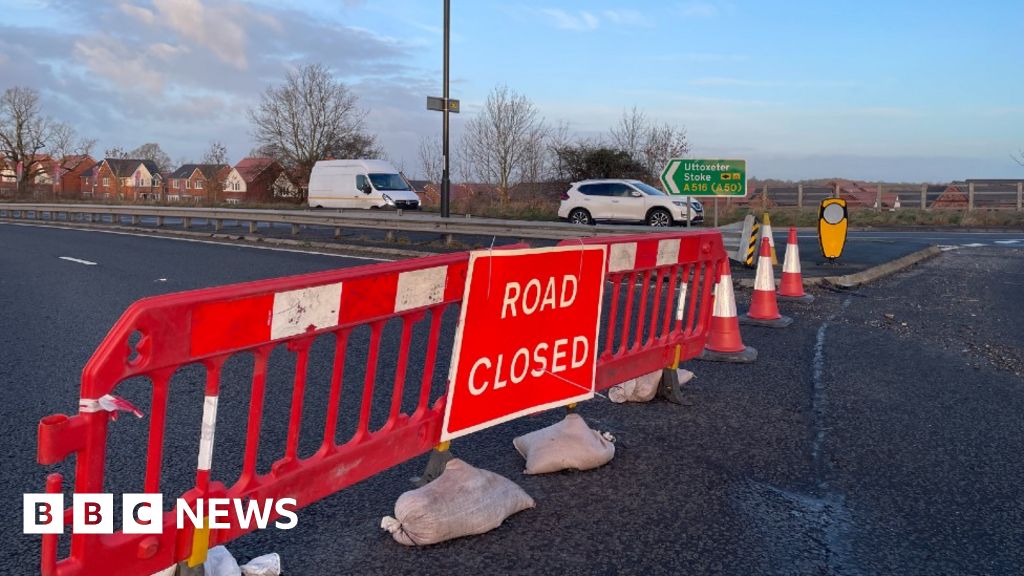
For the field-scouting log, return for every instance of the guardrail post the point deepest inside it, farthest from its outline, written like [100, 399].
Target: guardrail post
[159, 221]
[218, 223]
[135, 220]
[799, 195]
[878, 199]
[295, 229]
[1020, 196]
[252, 226]
[187, 222]
[337, 232]
[970, 196]
[924, 196]
[390, 236]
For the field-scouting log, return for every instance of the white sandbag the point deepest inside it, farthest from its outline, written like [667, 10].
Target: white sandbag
[220, 562]
[462, 501]
[641, 389]
[266, 565]
[569, 444]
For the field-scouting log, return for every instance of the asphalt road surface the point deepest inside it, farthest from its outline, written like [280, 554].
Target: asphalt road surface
[880, 434]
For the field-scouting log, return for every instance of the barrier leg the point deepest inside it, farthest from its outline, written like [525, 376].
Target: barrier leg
[439, 457]
[670, 388]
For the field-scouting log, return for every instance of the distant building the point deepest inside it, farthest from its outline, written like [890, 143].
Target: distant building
[129, 179]
[198, 183]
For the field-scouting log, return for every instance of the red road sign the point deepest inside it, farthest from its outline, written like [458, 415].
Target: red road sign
[527, 335]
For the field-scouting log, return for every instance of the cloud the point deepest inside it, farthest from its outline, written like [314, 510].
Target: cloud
[581, 21]
[141, 14]
[627, 17]
[219, 29]
[699, 10]
[112, 60]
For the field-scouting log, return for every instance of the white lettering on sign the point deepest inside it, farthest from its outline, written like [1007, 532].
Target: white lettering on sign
[530, 299]
[525, 361]
[706, 167]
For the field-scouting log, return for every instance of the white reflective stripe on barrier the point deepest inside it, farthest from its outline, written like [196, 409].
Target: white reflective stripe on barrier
[296, 310]
[681, 306]
[419, 288]
[622, 257]
[668, 251]
[207, 432]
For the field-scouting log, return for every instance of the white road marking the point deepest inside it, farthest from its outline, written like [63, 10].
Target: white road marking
[973, 245]
[70, 259]
[212, 242]
[1007, 241]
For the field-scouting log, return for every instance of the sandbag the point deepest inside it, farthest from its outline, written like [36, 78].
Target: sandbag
[220, 562]
[640, 389]
[567, 445]
[644, 388]
[462, 501]
[266, 565]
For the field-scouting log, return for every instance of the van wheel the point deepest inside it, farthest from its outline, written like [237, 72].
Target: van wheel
[659, 217]
[580, 216]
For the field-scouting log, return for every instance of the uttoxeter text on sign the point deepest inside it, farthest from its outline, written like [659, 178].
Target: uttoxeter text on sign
[701, 167]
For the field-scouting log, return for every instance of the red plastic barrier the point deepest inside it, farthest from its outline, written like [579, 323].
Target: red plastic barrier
[644, 329]
[208, 327]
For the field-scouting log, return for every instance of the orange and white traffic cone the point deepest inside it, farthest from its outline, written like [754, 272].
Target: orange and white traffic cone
[724, 343]
[764, 309]
[792, 286]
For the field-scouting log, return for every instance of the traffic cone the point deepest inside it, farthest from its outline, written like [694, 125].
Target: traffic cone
[764, 310]
[766, 232]
[724, 343]
[792, 286]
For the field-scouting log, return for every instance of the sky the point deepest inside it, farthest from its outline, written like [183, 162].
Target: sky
[901, 91]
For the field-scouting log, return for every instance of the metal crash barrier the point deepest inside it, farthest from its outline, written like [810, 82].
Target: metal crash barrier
[651, 324]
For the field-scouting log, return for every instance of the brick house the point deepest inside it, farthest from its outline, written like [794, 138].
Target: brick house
[122, 179]
[69, 173]
[199, 183]
[265, 180]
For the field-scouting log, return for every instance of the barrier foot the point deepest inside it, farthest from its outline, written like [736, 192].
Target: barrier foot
[671, 389]
[744, 356]
[806, 298]
[439, 457]
[184, 570]
[780, 322]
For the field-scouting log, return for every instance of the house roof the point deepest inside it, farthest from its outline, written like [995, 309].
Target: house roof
[125, 167]
[251, 168]
[207, 170]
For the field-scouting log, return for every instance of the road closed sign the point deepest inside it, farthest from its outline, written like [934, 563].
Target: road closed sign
[527, 335]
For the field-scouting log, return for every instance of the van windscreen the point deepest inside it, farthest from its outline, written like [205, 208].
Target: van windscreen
[388, 182]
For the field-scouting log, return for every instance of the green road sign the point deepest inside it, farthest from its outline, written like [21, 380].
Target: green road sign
[684, 177]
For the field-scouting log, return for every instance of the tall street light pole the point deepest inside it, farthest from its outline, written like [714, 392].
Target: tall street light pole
[445, 182]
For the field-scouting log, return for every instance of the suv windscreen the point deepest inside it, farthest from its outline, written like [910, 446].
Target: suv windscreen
[384, 182]
[648, 189]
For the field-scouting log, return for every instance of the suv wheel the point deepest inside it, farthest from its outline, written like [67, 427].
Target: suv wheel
[580, 216]
[659, 217]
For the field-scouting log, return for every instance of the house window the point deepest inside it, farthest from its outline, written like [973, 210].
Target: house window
[188, 184]
[199, 184]
[106, 181]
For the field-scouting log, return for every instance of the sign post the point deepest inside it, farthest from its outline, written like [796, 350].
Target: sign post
[527, 338]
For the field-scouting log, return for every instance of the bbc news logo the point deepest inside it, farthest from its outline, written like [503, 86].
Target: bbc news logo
[143, 513]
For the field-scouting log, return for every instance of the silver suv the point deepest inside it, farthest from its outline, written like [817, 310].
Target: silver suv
[589, 201]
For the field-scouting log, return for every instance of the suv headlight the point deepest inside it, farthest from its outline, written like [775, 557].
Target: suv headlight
[680, 203]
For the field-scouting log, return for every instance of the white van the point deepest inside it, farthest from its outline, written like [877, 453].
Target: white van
[359, 184]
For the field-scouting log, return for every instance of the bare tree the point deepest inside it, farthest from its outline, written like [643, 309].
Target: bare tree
[309, 118]
[154, 153]
[116, 152]
[650, 144]
[217, 153]
[27, 137]
[503, 142]
[431, 160]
